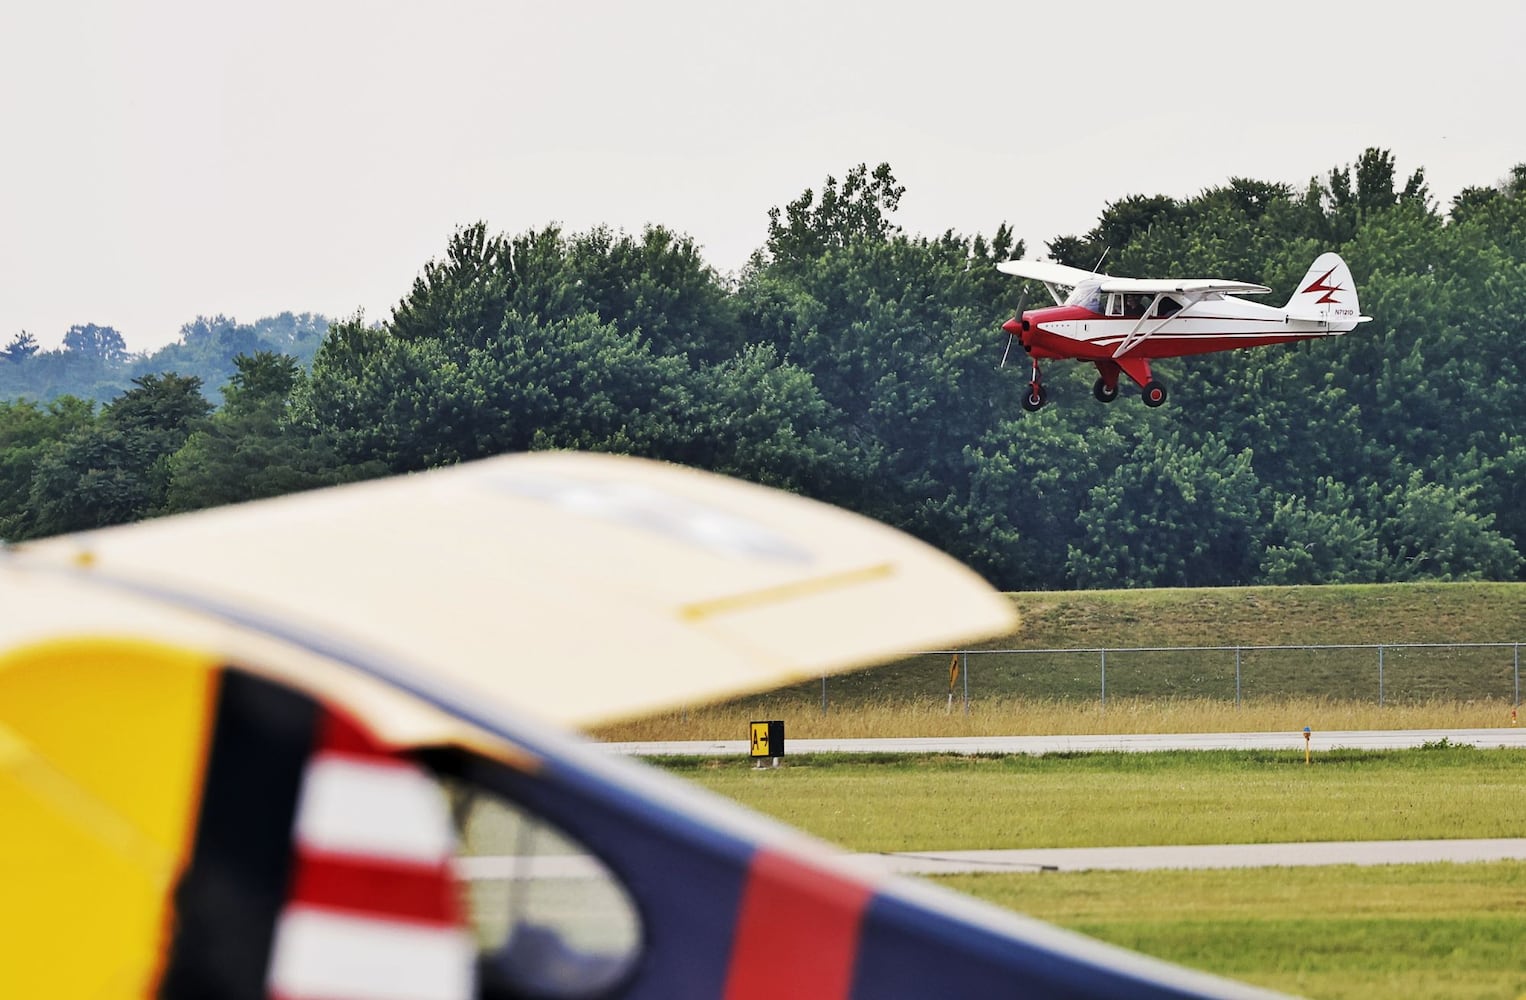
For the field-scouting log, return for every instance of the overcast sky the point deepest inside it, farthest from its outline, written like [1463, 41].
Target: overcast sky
[174, 158]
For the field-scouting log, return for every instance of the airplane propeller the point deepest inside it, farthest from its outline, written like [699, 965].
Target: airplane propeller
[1022, 301]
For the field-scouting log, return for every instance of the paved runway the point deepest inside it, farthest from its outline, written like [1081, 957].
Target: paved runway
[1134, 743]
[1075, 859]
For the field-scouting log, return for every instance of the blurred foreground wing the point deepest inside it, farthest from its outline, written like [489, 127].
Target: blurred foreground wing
[576, 587]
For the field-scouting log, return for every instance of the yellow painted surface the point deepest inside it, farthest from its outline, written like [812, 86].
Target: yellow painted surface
[101, 751]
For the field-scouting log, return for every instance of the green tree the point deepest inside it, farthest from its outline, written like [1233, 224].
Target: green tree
[1172, 516]
[901, 335]
[28, 431]
[763, 419]
[1321, 539]
[21, 347]
[116, 470]
[660, 287]
[98, 343]
[250, 448]
[857, 209]
[1430, 531]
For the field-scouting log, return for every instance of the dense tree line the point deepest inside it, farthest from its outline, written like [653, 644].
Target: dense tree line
[857, 364]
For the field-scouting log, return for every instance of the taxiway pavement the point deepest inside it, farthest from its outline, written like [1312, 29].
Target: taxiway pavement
[1394, 739]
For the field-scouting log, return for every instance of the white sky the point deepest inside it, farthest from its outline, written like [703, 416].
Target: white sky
[162, 159]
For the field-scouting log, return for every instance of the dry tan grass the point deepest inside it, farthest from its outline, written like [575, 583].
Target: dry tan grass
[1018, 717]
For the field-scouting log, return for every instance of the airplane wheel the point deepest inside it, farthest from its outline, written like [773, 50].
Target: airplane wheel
[1154, 393]
[1103, 393]
[1035, 398]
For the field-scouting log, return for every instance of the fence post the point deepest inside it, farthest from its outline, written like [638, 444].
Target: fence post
[823, 694]
[1237, 677]
[1104, 677]
[965, 657]
[1518, 675]
[1380, 676]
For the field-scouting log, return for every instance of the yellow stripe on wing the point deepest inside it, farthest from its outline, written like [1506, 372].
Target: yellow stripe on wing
[794, 590]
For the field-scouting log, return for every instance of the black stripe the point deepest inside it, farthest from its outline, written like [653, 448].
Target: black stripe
[236, 882]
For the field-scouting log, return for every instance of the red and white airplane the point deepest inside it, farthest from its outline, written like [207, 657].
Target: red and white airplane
[1120, 324]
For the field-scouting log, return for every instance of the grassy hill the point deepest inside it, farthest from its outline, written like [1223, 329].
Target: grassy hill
[1048, 676]
[1268, 616]
[1144, 632]
[1016, 684]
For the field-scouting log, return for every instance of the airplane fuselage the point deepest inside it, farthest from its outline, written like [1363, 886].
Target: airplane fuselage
[1201, 328]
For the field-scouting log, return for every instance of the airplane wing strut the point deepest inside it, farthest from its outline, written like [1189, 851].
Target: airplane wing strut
[1142, 332]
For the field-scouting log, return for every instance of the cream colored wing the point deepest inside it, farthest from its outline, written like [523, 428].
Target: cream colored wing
[1048, 272]
[1193, 287]
[575, 587]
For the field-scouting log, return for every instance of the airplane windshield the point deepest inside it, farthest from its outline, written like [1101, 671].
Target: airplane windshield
[551, 920]
[1087, 295]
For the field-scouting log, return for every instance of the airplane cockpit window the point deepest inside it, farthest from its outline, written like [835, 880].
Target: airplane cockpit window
[550, 919]
[1168, 306]
[1087, 295]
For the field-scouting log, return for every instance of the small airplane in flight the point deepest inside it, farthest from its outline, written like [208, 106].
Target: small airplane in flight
[1121, 324]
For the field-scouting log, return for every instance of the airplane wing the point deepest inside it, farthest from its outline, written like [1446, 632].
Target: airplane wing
[1048, 272]
[578, 588]
[1193, 287]
[208, 788]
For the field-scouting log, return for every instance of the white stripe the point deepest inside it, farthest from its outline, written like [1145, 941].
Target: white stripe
[325, 955]
[384, 810]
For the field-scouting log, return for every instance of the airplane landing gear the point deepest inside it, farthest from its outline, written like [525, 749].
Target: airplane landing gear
[1154, 393]
[1105, 393]
[1036, 396]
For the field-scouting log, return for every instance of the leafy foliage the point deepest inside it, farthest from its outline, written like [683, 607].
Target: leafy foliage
[858, 364]
[117, 468]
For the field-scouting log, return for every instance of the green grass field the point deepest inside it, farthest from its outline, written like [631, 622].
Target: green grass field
[1446, 931]
[1450, 932]
[867, 802]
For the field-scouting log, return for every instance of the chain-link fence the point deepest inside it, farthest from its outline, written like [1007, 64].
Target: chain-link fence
[1384, 673]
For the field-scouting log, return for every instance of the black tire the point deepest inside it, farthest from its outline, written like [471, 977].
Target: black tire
[1034, 398]
[1103, 393]
[1154, 393]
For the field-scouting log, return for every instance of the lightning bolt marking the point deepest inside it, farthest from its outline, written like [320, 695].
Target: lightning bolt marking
[1318, 285]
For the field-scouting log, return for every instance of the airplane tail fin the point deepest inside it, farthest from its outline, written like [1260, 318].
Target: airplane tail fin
[1327, 294]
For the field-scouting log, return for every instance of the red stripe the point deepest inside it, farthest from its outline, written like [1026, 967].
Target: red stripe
[368, 886]
[338, 733]
[797, 933]
[417, 894]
